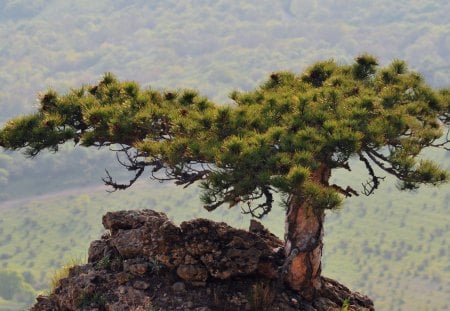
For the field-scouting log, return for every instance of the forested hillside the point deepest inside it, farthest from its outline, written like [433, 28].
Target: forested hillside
[215, 47]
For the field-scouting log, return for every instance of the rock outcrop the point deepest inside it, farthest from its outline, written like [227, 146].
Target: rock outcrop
[146, 262]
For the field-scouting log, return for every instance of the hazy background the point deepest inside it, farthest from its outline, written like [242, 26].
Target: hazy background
[392, 246]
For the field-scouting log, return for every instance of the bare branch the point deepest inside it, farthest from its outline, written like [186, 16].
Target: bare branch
[116, 186]
[348, 192]
[372, 184]
[261, 209]
[211, 207]
[443, 144]
[188, 179]
[377, 158]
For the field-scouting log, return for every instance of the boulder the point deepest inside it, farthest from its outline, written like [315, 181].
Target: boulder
[147, 262]
[198, 249]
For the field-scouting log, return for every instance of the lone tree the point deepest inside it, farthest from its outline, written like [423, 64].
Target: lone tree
[286, 136]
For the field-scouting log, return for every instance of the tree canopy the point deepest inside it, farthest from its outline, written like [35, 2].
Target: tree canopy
[274, 138]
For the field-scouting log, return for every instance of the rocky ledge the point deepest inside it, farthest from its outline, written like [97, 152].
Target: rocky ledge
[145, 262]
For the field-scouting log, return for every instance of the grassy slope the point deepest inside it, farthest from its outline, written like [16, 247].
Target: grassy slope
[11, 306]
[392, 247]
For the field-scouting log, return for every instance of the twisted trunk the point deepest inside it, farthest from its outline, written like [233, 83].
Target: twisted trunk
[303, 238]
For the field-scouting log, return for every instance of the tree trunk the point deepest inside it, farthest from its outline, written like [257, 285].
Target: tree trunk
[303, 238]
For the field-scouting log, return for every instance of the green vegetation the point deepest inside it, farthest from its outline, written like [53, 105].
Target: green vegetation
[285, 137]
[155, 266]
[63, 272]
[206, 45]
[168, 43]
[345, 305]
[18, 175]
[104, 263]
[13, 287]
[368, 249]
[7, 305]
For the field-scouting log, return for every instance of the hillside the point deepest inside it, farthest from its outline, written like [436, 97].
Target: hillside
[213, 47]
[395, 240]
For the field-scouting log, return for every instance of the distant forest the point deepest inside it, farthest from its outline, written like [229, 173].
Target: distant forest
[213, 46]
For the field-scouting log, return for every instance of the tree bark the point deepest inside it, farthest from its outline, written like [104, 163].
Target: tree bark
[303, 241]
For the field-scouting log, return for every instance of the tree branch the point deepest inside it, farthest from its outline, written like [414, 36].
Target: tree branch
[348, 192]
[116, 186]
[446, 141]
[266, 206]
[372, 184]
[376, 158]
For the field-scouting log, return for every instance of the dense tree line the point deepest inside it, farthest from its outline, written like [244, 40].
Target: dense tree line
[190, 43]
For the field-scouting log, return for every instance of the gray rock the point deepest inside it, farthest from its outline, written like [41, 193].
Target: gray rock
[141, 285]
[179, 287]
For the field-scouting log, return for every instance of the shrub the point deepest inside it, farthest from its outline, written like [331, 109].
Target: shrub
[104, 263]
[63, 272]
[155, 265]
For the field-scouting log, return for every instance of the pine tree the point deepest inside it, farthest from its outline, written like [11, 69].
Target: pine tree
[286, 136]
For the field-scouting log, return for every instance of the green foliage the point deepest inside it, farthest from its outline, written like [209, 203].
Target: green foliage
[259, 38]
[345, 305]
[13, 287]
[410, 227]
[364, 67]
[155, 265]
[297, 176]
[62, 273]
[320, 197]
[278, 136]
[104, 263]
[319, 73]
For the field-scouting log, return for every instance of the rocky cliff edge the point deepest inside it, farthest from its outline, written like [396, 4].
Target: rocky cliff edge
[145, 262]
